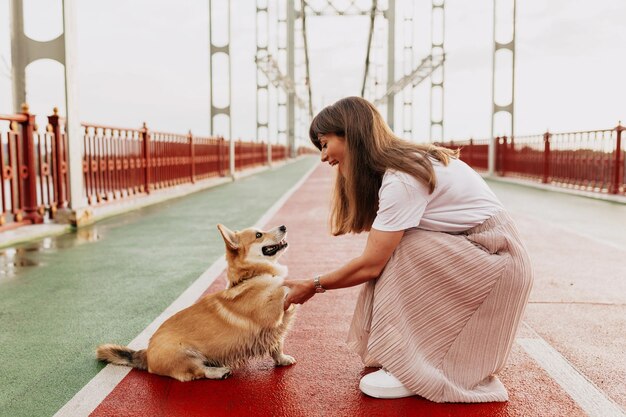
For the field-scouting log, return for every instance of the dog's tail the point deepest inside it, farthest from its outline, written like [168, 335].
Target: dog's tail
[122, 355]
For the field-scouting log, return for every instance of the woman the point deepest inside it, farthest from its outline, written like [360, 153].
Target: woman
[446, 275]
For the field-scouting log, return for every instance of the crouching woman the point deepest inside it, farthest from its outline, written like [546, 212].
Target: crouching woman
[446, 276]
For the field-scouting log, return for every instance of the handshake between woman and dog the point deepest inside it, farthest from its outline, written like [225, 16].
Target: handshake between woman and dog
[223, 330]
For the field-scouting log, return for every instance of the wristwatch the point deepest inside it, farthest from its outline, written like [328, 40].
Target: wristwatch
[318, 285]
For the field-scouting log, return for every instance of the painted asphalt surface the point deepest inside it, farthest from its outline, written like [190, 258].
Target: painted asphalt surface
[568, 359]
[60, 297]
[325, 380]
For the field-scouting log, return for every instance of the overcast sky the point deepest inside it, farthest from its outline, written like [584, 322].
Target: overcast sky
[147, 60]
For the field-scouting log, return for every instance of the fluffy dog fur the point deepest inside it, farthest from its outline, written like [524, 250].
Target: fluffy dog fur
[224, 329]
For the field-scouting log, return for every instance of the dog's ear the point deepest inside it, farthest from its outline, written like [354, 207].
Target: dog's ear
[230, 238]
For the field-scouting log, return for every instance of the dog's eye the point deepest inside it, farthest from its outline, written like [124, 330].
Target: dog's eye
[258, 235]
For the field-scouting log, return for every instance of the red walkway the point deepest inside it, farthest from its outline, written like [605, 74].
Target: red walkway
[325, 380]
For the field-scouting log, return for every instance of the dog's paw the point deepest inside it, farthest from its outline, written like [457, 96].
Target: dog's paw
[217, 373]
[284, 360]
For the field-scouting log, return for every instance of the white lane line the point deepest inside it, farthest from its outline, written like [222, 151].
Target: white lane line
[91, 395]
[589, 397]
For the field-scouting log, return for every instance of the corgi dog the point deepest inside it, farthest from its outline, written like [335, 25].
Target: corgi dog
[222, 330]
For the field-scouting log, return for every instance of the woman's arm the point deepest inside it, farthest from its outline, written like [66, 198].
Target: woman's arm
[379, 248]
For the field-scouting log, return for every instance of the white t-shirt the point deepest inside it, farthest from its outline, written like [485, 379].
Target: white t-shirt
[460, 201]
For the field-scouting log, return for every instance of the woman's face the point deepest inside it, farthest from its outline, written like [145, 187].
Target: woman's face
[333, 149]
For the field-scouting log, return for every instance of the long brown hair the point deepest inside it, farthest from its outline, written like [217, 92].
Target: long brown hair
[370, 149]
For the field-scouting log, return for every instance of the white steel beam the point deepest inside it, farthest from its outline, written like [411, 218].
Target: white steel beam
[419, 74]
[24, 51]
[270, 67]
[502, 45]
[438, 21]
[213, 50]
[262, 81]
[291, 97]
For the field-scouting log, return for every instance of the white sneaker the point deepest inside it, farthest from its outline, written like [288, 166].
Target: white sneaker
[381, 384]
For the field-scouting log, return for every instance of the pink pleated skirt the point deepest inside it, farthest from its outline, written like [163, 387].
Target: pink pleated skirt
[443, 315]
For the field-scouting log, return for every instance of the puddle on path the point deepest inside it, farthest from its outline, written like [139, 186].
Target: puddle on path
[17, 259]
[20, 258]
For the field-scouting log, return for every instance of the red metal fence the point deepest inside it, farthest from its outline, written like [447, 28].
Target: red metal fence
[249, 154]
[33, 166]
[121, 162]
[591, 160]
[117, 163]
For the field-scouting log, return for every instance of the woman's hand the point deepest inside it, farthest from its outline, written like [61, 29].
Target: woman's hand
[300, 290]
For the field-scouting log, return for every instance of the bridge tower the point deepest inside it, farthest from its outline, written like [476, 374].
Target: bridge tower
[413, 73]
[502, 89]
[220, 74]
[24, 51]
[282, 63]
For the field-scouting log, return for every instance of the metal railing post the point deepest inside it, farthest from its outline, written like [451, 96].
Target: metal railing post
[27, 168]
[236, 155]
[502, 154]
[617, 168]
[220, 152]
[60, 160]
[546, 158]
[192, 154]
[145, 138]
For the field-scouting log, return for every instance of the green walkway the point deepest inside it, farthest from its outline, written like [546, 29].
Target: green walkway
[106, 283]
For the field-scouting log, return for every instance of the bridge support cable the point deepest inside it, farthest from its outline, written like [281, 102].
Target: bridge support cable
[437, 76]
[503, 56]
[328, 8]
[306, 59]
[391, 59]
[430, 67]
[267, 64]
[302, 80]
[380, 57]
[286, 71]
[352, 8]
[369, 45]
[276, 67]
[379, 81]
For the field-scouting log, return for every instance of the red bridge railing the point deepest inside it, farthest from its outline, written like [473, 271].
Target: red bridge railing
[590, 160]
[33, 166]
[117, 163]
[121, 162]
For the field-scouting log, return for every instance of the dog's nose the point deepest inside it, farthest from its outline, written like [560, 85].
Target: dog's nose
[283, 228]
